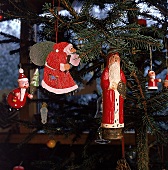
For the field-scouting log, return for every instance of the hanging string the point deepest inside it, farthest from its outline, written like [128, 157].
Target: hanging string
[123, 147]
[53, 4]
[150, 49]
[122, 163]
[166, 48]
[56, 23]
[20, 65]
[162, 157]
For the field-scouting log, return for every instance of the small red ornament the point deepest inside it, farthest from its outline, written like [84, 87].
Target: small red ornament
[1, 17]
[166, 81]
[51, 143]
[152, 82]
[142, 22]
[18, 168]
[17, 98]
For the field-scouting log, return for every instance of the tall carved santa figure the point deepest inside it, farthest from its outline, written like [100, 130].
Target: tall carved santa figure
[57, 78]
[113, 83]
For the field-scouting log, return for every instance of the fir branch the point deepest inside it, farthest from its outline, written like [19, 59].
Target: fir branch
[28, 138]
[148, 120]
[158, 6]
[11, 38]
[139, 41]
[161, 118]
[44, 165]
[16, 7]
[133, 74]
[160, 100]
[56, 16]
[88, 52]
[68, 6]
[90, 161]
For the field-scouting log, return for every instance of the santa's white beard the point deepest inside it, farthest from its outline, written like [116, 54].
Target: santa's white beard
[114, 73]
[23, 91]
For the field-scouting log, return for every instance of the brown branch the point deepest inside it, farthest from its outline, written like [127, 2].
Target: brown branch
[158, 6]
[89, 51]
[70, 9]
[144, 101]
[56, 16]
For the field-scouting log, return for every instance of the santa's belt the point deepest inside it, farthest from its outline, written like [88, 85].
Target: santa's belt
[49, 66]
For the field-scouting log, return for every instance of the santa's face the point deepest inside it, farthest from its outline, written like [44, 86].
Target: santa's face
[23, 84]
[114, 70]
[114, 73]
[114, 57]
[151, 74]
[69, 49]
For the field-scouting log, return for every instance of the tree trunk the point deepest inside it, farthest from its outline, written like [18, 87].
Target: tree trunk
[142, 148]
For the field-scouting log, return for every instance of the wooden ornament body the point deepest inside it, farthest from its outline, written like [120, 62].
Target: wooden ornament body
[14, 101]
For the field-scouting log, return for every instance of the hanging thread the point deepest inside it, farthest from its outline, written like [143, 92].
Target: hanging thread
[56, 23]
[123, 147]
[166, 54]
[150, 49]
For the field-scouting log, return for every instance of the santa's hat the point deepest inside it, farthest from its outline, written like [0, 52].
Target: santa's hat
[22, 77]
[59, 47]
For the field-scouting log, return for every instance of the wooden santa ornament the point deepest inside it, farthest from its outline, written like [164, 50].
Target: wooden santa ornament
[113, 83]
[17, 98]
[166, 81]
[153, 81]
[57, 78]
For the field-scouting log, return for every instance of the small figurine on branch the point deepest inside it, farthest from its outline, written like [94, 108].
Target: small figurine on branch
[152, 82]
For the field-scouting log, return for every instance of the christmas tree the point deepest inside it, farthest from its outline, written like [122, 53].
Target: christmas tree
[128, 28]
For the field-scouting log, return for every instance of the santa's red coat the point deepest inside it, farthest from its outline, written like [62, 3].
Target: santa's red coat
[54, 79]
[153, 84]
[109, 100]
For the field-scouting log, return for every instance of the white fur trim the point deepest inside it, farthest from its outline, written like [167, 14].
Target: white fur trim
[152, 77]
[104, 125]
[49, 66]
[21, 70]
[58, 91]
[23, 79]
[116, 113]
[153, 87]
[116, 123]
[61, 66]
[22, 93]
[67, 49]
